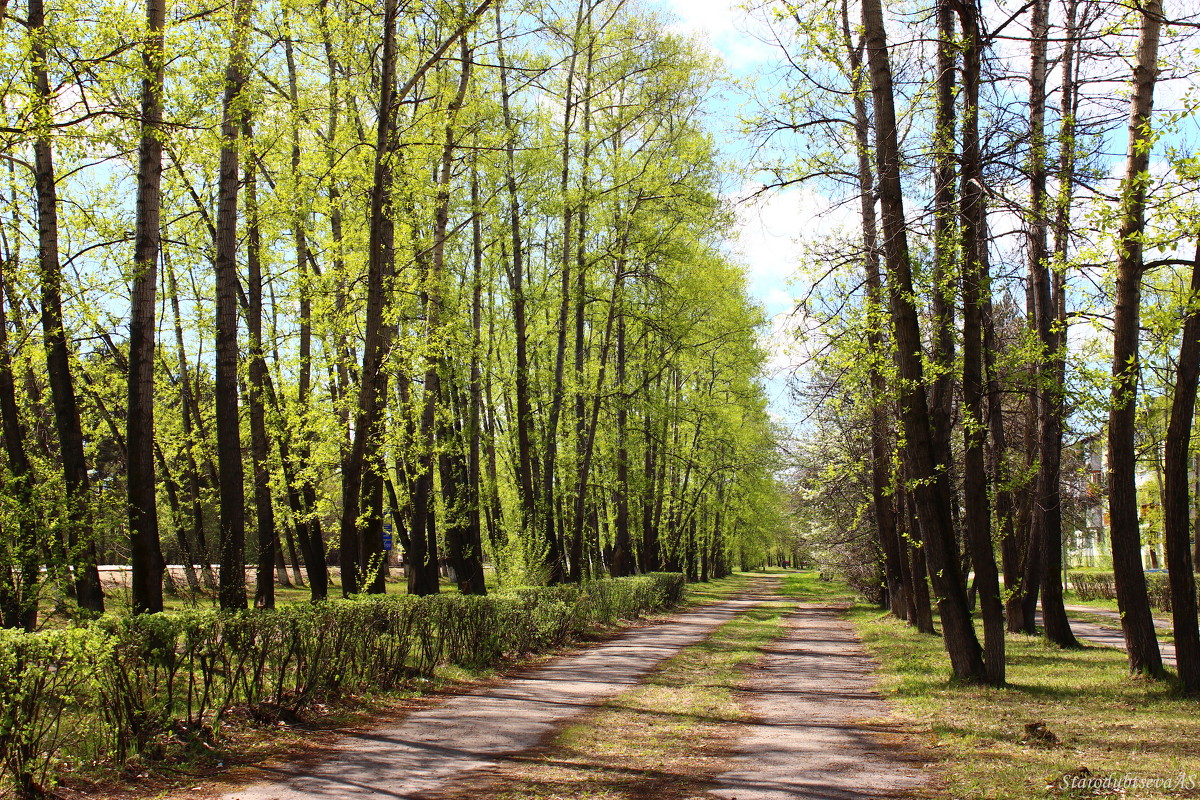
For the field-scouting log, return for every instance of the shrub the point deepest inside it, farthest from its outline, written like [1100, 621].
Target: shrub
[131, 686]
[1103, 586]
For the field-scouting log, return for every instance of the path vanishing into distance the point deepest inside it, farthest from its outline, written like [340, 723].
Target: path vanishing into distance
[816, 726]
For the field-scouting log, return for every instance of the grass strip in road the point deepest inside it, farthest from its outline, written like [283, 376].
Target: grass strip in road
[666, 738]
[714, 591]
[1137, 731]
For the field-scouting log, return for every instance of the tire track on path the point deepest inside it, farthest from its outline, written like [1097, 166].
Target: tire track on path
[432, 746]
[817, 733]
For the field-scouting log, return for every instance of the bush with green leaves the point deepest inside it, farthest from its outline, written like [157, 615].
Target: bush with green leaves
[122, 687]
[1103, 586]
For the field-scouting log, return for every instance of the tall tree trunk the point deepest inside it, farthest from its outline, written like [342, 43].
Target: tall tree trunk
[194, 480]
[1047, 509]
[998, 460]
[1136, 619]
[1180, 568]
[145, 553]
[472, 581]
[229, 439]
[434, 301]
[81, 540]
[368, 414]
[975, 288]
[308, 526]
[579, 522]
[881, 457]
[260, 448]
[623, 562]
[650, 557]
[20, 608]
[931, 504]
[945, 257]
[526, 485]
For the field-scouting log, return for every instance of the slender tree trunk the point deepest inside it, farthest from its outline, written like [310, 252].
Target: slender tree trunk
[308, 526]
[145, 554]
[81, 540]
[623, 562]
[368, 413]
[264, 591]
[433, 301]
[1136, 619]
[885, 519]
[472, 581]
[931, 504]
[945, 243]
[650, 551]
[1047, 511]
[975, 288]
[229, 439]
[516, 278]
[21, 606]
[1180, 568]
[998, 462]
[189, 438]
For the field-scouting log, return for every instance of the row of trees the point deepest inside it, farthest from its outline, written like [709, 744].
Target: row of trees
[979, 149]
[451, 271]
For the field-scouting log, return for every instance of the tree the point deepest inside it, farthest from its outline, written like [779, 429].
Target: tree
[145, 552]
[1136, 620]
[932, 507]
[228, 424]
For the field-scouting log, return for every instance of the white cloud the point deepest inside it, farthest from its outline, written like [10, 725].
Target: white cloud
[774, 228]
[725, 27]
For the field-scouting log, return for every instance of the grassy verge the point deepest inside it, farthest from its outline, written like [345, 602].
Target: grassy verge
[667, 738]
[1102, 720]
[717, 590]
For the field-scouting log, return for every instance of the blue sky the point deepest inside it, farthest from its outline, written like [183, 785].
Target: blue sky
[773, 227]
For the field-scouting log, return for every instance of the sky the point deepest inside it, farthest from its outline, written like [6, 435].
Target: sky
[772, 227]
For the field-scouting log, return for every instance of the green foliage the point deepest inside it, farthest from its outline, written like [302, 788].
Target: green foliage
[135, 686]
[1102, 586]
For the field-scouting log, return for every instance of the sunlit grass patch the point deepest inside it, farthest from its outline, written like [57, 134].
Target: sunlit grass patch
[1096, 722]
[809, 587]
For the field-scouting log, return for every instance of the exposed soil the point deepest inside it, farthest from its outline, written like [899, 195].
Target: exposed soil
[436, 746]
[821, 732]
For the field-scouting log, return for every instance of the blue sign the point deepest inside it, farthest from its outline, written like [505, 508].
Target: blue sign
[387, 536]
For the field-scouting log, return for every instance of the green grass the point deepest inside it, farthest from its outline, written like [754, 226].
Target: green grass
[808, 586]
[716, 590]
[666, 738]
[1103, 719]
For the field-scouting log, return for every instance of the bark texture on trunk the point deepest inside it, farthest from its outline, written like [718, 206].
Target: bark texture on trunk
[975, 288]
[931, 505]
[366, 420]
[1176, 503]
[229, 438]
[145, 553]
[81, 542]
[1136, 619]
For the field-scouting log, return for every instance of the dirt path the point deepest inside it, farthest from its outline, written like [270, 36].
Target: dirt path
[820, 732]
[435, 746]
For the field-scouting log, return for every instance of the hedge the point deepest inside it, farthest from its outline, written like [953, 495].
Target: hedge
[122, 687]
[1103, 586]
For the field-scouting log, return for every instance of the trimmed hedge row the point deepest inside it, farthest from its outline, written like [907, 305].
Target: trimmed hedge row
[124, 687]
[1103, 586]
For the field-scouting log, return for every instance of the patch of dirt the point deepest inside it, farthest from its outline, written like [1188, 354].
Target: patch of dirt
[437, 744]
[820, 730]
